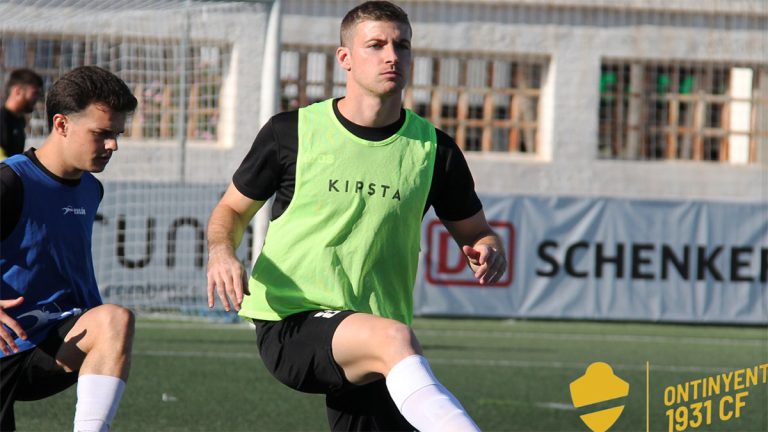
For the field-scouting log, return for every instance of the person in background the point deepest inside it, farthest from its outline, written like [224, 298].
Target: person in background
[22, 91]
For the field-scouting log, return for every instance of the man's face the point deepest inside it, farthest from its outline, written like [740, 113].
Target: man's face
[92, 137]
[379, 57]
[28, 96]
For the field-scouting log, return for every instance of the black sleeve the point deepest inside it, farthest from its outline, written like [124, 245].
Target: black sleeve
[259, 173]
[453, 190]
[11, 200]
[270, 165]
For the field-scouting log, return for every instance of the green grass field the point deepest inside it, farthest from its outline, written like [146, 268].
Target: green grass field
[510, 375]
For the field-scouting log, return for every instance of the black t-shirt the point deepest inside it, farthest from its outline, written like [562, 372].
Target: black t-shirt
[12, 193]
[270, 167]
[12, 135]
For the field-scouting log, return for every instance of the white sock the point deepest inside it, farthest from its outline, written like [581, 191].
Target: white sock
[423, 401]
[97, 399]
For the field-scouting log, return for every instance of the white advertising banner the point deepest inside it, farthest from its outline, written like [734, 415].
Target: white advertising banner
[608, 259]
[573, 258]
[149, 246]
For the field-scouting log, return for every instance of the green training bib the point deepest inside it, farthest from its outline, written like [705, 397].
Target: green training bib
[350, 236]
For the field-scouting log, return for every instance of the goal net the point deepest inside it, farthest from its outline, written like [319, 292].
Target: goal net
[196, 69]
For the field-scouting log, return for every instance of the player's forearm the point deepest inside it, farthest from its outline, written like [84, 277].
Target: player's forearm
[225, 229]
[474, 231]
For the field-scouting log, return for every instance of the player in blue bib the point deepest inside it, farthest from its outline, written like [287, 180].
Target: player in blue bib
[54, 329]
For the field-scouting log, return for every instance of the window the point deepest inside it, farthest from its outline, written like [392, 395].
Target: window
[488, 103]
[696, 111]
[151, 68]
[308, 75]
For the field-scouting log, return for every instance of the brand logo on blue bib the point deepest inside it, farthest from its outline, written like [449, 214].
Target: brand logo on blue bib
[73, 210]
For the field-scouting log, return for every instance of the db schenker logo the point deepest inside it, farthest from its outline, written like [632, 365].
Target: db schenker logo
[598, 389]
[446, 264]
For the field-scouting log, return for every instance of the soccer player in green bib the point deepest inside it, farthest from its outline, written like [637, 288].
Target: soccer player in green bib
[331, 294]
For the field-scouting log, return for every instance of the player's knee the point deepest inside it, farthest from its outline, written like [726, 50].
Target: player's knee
[399, 342]
[117, 322]
[398, 334]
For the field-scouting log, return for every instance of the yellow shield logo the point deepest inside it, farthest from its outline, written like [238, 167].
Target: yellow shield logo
[599, 384]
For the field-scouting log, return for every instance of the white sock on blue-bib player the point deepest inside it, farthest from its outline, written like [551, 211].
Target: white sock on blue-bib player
[97, 399]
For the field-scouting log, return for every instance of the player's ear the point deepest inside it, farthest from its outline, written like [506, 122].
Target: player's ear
[342, 56]
[60, 124]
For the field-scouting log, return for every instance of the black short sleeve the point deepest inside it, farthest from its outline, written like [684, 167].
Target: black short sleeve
[270, 166]
[453, 189]
[259, 173]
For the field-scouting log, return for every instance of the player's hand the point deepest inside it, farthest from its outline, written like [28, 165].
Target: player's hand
[488, 263]
[227, 278]
[7, 344]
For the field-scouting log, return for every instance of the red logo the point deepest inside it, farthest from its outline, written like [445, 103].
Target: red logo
[446, 264]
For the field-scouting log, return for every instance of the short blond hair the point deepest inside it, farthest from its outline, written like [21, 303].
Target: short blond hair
[371, 11]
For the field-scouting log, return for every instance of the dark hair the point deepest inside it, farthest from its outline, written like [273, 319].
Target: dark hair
[23, 77]
[86, 85]
[371, 11]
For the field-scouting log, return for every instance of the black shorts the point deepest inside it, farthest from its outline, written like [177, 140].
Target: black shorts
[297, 351]
[33, 374]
